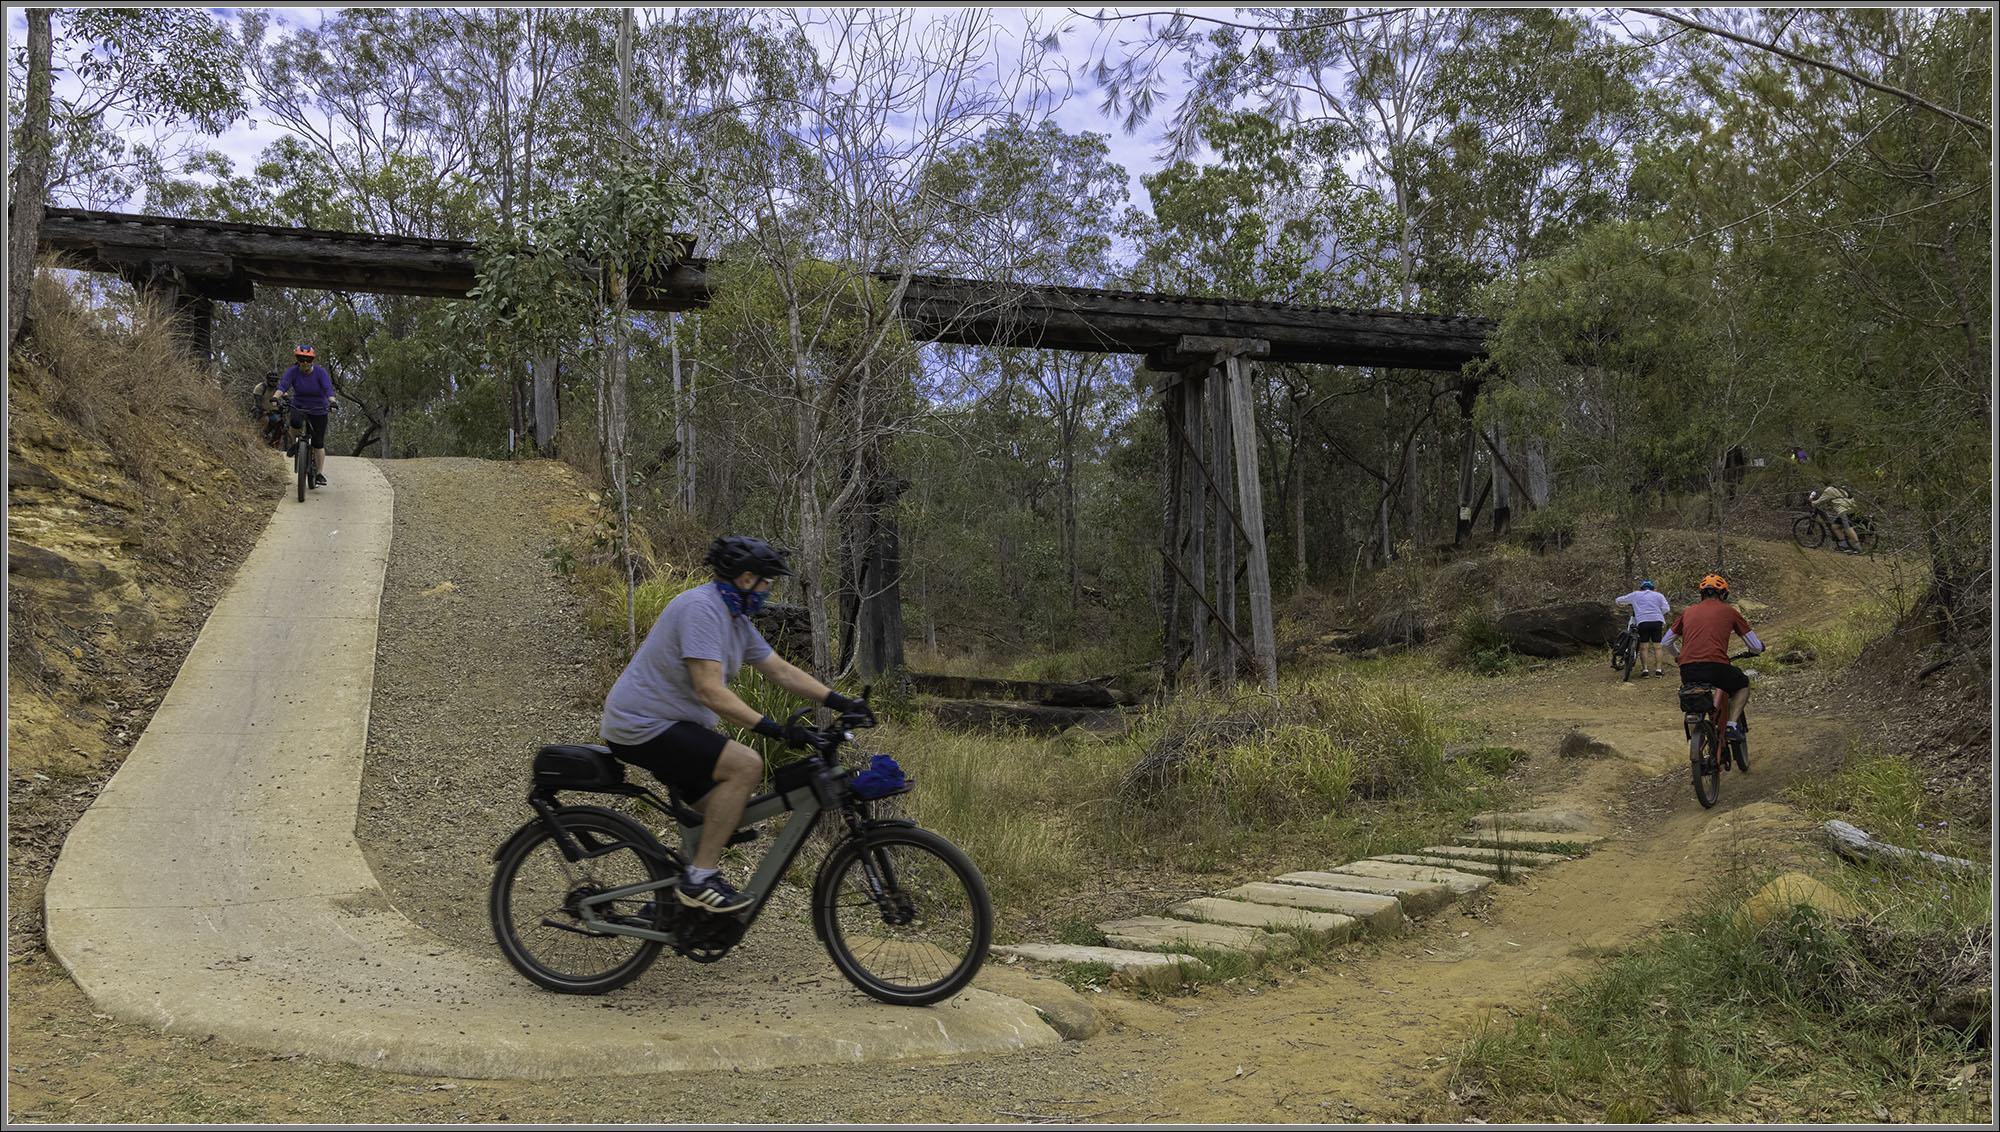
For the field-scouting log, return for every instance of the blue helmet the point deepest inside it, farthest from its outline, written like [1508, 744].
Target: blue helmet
[1645, 585]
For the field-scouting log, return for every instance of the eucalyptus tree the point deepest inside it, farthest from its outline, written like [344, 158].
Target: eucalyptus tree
[1038, 206]
[130, 70]
[1273, 216]
[818, 154]
[1846, 183]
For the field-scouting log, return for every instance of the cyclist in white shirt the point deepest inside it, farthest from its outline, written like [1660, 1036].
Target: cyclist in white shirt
[1649, 616]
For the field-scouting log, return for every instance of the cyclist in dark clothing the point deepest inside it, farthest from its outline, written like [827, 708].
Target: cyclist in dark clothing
[311, 391]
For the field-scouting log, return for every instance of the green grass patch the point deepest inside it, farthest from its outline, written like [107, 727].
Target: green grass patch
[1886, 797]
[1478, 644]
[1713, 1020]
[1840, 644]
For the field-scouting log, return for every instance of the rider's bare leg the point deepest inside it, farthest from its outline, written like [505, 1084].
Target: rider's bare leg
[737, 772]
[1736, 701]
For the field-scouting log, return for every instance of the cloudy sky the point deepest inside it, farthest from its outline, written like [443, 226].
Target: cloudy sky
[1082, 39]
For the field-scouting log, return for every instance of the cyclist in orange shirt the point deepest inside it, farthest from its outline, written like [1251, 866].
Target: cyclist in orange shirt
[1699, 640]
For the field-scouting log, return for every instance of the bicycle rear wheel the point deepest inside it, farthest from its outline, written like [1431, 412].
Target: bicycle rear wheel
[1866, 538]
[533, 904]
[1807, 532]
[1630, 661]
[904, 914]
[1705, 760]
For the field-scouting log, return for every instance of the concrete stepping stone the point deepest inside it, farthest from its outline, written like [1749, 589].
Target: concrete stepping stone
[1545, 820]
[1527, 858]
[1156, 933]
[1163, 970]
[1330, 926]
[1419, 898]
[1378, 914]
[1460, 883]
[1525, 838]
[1460, 864]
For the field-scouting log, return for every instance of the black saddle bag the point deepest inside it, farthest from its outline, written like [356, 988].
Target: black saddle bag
[578, 767]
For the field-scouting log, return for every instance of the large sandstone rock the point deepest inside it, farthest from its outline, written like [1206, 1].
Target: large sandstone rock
[1560, 630]
[1789, 891]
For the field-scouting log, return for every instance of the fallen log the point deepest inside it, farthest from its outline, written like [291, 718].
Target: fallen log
[1855, 844]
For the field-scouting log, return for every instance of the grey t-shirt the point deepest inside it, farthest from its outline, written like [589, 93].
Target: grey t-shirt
[655, 691]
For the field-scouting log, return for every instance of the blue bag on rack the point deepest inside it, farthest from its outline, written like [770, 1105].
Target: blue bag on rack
[881, 778]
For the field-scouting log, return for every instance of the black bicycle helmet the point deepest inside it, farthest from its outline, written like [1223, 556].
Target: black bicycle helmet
[731, 555]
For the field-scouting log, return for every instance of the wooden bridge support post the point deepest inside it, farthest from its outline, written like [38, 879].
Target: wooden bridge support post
[1192, 427]
[1171, 475]
[191, 316]
[1212, 470]
[1250, 504]
[1468, 448]
[1221, 436]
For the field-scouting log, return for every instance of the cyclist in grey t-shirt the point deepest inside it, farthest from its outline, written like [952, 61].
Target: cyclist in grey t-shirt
[663, 711]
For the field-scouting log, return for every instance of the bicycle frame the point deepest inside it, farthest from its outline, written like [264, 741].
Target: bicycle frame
[823, 791]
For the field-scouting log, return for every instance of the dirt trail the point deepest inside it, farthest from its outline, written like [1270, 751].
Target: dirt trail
[1359, 1039]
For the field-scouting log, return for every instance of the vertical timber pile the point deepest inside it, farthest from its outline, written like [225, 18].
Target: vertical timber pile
[1211, 467]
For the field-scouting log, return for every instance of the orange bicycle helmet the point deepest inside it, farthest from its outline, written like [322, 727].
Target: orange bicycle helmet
[1715, 582]
[304, 352]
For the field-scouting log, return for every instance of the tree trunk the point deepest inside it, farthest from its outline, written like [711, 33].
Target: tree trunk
[31, 174]
[544, 405]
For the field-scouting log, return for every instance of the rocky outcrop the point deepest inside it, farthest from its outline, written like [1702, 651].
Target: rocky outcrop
[1560, 630]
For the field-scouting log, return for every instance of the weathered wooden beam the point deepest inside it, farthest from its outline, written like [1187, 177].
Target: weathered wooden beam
[934, 308]
[1250, 502]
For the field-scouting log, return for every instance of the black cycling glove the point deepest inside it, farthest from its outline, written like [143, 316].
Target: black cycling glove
[845, 706]
[790, 734]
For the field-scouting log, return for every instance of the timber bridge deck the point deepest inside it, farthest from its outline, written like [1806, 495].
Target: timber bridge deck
[196, 263]
[1204, 346]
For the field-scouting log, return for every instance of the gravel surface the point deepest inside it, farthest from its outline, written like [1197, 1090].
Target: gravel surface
[482, 658]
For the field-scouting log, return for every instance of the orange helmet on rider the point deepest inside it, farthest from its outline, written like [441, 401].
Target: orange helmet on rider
[305, 352]
[1714, 584]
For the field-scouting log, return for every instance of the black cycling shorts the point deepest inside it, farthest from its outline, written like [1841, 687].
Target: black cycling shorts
[1716, 674]
[315, 424]
[683, 756]
[1649, 632]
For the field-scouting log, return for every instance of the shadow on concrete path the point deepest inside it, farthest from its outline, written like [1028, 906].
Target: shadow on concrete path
[216, 888]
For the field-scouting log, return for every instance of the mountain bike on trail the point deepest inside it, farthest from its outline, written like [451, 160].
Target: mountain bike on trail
[584, 897]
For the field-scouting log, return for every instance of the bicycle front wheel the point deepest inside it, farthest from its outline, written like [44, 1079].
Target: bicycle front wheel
[1807, 532]
[533, 905]
[904, 914]
[1705, 760]
[301, 460]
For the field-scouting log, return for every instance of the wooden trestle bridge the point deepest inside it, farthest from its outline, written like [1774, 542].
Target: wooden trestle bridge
[1203, 347]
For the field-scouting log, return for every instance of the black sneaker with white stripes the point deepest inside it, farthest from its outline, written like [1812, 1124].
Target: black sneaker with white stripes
[713, 894]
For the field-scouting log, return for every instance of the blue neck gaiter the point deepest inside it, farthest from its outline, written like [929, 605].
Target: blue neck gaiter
[745, 602]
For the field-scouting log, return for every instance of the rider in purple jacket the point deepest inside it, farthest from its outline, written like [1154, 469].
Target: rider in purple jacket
[311, 390]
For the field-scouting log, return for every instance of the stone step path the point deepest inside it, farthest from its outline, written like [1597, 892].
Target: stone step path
[1376, 896]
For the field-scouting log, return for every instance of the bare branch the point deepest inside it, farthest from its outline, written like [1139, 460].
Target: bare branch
[1896, 92]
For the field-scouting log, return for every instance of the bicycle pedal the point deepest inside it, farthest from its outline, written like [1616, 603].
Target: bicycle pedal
[741, 836]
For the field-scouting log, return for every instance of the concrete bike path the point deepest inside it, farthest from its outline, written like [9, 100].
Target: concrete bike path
[216, 888]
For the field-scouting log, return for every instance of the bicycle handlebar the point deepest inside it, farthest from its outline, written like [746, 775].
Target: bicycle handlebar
[830, 736]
